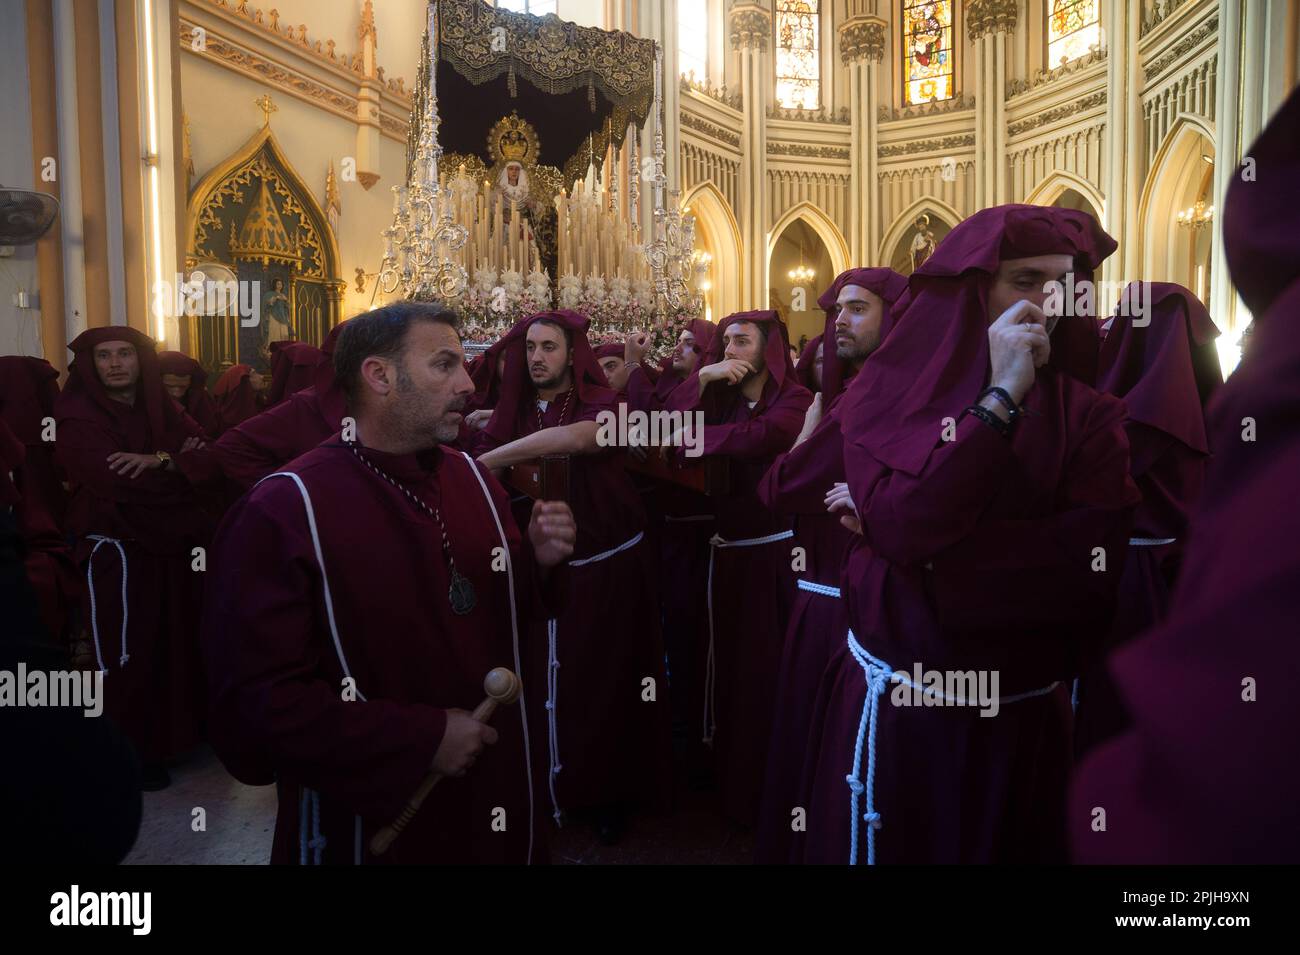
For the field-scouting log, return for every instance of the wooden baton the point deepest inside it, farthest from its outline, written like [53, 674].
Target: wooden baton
[501, 686]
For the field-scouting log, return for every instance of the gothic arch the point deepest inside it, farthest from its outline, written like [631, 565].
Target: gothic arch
[904, 221]
[716, 226]
[1176, 177]
[260, 174]
[1057, 182]
[821, 224]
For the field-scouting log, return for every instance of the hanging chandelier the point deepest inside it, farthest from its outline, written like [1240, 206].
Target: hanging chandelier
[420, 246]
[1197, 216]
[801, 275]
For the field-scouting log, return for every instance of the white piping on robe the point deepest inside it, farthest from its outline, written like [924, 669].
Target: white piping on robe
[879, 673]
[553, 676]
[317, 841]
[514, 633]
[710, 674]
[1150, 541]
[309, 813]
[325, 580]
[338, 645]
[100, 541]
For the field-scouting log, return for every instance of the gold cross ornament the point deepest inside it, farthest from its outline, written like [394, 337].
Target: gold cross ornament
[267, 107]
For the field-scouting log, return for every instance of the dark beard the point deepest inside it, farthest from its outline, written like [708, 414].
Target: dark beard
[443, 431]
[549, 383]
[854, 354]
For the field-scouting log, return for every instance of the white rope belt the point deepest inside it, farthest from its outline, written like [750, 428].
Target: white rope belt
[879, 673]
[100, 541]
[553, 677]
[815, 588]
[604, 555]
[710, 670]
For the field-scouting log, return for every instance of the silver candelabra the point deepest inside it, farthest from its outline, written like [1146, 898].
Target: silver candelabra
[420, 246]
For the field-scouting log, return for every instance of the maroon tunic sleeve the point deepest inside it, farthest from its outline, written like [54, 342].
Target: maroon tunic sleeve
[266, 442]
[798, 481]
[271, 707]
[768, 433]
[1051, 559]
[83, 450]
[908, 519]
[640, 390]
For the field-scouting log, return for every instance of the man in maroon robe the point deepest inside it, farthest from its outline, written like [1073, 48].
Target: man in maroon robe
[125, 445]
[1207, 772]
[648, 391]
[612, 358]
[186, 381]
[486, 375]
[293, 367]
[607, 708]
[239, 394]
[682, 522]
[808, 369]
[752, 408]
[253, 449]
[989, 485]
[1164, 365]
[358, 598]
[861, 307]
[28, 391]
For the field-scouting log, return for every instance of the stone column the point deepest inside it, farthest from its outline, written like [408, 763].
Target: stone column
[751, 36]
[862, 46]
[1253, 42]
[988, 23]
[1124, 142]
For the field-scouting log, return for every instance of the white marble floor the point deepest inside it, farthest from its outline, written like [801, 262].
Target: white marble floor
[239, 820]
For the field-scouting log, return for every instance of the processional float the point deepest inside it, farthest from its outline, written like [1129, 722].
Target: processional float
[526, 194]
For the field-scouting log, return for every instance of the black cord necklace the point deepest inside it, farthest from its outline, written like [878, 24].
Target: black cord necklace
[461, 592]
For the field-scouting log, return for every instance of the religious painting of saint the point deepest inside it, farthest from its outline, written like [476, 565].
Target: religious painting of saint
[276, 324]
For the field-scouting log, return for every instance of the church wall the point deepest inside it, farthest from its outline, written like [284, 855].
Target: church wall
[710, 144]
[19, 328]
[1056, 133]
[316, 100]
[223, 116]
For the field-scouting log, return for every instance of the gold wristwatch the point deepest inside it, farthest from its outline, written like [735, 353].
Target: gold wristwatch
[164, 457]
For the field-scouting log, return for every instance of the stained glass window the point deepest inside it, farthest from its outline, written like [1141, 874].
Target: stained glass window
[1073, 28]
[928, 52]
[693, 39]
[798, 64]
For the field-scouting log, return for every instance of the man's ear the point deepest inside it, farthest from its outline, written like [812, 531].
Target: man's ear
[375, 374]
